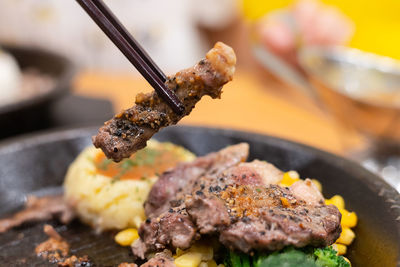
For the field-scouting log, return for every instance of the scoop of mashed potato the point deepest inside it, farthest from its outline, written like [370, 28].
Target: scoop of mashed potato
[109, 195]
[10, 77]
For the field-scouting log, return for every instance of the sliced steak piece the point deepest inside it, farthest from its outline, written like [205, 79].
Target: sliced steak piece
[162, 259]
[247, 210]
[129, 131]
[262, 171]
[127, 264]
[39, 209]
[173, 229]
[248, 195]
[307, 191]
[180, 180]
[271, 217]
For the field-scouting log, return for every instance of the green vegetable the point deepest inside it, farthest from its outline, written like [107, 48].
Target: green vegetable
[291, 257]
[237, 259]
[305, 257]
[327, 257]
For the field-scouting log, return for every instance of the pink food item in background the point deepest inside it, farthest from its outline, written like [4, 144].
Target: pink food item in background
[307, 22]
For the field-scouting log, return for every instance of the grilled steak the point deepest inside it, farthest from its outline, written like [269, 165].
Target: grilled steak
[272, 217]
[180, 180]
[129, 131]
[244, 207]
[162, 259]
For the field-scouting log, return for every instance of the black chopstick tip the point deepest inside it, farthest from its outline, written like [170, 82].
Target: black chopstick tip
[181, 109]
[177, 107]
[118, 34]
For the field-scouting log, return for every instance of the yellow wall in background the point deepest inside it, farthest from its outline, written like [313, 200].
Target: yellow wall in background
[377, 21]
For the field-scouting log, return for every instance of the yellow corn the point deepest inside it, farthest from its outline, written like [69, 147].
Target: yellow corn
[293, 174]
[203, 264]
[179, 252]
[212, 263]
[341, 249]
[189, 259]
[126, 237]
[337, 200]
[206, 252]
[290, 178]
[349, 219]
[346, 259]
[346, 237]
[221, 265]
[317, 184]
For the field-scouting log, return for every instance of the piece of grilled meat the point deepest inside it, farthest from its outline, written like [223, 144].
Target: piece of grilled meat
[180, 180]
[161, 259]
[129, 131]
[39, 209]
[243, 206]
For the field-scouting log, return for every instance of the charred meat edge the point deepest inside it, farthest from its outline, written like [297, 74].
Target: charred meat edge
[129, 130]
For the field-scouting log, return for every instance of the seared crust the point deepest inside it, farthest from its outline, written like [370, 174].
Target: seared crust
[173, 185]
[241, 204]
[129, 130]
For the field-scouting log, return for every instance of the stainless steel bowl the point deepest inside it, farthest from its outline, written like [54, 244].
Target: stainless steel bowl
[361, 89]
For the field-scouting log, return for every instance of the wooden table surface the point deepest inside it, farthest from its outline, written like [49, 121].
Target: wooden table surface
[251, 102]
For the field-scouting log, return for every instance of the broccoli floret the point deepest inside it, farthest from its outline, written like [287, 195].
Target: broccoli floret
[234, 259]
[288, 257]
[326, 257]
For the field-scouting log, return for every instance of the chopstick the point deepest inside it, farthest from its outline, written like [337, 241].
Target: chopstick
[136, 46]
[118, 34]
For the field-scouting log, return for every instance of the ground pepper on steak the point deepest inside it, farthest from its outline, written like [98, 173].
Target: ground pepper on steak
[162, 259]
[271, 217]
[174, 184]
[242, 205]
[129, 130]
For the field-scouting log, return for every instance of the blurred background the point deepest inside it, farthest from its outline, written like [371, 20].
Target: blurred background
[323, 73]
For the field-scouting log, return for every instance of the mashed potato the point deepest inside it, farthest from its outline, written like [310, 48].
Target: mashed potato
[109, 195]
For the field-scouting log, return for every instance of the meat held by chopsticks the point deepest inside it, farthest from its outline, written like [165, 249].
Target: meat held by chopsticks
[129, 130]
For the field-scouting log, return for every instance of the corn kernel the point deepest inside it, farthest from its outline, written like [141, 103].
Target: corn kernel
[179, 252]
[290, 178]
[341, 249]
[294, 174]
[212, 263]
[203, 264]
[346, 259]
[346, 237]
[317, 184]
[336, 200]
[126, 237]
[349, 219]
[207, 252]
[189, 259]
[221, 265]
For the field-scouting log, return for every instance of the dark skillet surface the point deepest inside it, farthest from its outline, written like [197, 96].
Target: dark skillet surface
[38, 164]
